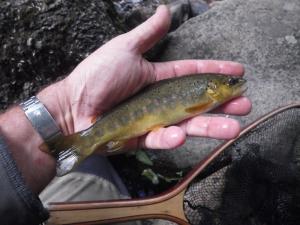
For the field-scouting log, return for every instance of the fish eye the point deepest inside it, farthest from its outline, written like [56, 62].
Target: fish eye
[233, 81]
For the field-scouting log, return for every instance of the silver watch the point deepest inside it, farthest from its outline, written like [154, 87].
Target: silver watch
[40, 118]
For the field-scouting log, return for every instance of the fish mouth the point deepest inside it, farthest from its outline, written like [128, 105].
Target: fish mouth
[241, 87]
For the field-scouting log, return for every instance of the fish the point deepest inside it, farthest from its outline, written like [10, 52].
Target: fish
[161, 104]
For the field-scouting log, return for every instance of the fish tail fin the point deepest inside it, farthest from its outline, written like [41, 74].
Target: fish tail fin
[68, 151]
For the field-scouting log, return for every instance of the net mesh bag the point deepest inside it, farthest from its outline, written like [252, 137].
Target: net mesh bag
[255, 181]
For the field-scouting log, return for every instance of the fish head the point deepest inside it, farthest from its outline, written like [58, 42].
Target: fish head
[222, 88]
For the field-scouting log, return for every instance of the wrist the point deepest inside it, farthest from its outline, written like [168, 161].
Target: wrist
[37, 167]
[23, 141]
[55, 99]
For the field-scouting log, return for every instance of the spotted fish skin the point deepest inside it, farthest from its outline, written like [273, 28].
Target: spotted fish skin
[161, 104]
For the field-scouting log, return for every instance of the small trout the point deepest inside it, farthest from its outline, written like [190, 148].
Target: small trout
[164, 103]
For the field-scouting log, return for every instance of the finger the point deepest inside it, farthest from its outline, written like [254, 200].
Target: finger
[164, 138]
[174, 136]
[183, 67]
[239, 106]
[144, 36]
[212, 127]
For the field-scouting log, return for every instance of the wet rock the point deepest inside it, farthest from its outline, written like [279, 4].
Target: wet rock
[42, 40]
[264, 36]
[198, 7]
[180, 11]
[134, 12]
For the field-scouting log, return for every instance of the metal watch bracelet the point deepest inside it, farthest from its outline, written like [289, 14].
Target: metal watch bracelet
[40, 118]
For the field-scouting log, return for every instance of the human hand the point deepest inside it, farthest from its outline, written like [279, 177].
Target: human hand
[117, 70]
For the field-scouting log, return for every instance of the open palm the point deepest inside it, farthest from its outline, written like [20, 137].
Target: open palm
[117, 70]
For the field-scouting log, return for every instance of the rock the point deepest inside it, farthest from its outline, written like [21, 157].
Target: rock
[198, 7]
[134, 12]
[264, 35]
[44, 39]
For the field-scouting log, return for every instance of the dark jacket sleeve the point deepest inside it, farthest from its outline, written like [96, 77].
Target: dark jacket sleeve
[18, 205]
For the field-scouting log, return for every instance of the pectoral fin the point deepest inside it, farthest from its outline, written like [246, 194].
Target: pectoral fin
[156, 127]
[113, 146]
[203, 107]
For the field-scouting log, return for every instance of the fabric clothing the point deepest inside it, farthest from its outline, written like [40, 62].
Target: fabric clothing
[18, 205]
[94, 179]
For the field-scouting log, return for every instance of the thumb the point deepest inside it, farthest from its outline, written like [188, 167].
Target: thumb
[144, 36]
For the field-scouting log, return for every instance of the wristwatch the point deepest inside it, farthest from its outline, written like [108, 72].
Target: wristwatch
[45, 125]
[40, 118]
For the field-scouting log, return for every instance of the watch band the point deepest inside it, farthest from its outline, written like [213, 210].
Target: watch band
[40, 118]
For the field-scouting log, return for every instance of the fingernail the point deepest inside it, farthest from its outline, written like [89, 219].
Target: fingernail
[158, 8]
[235, 63]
